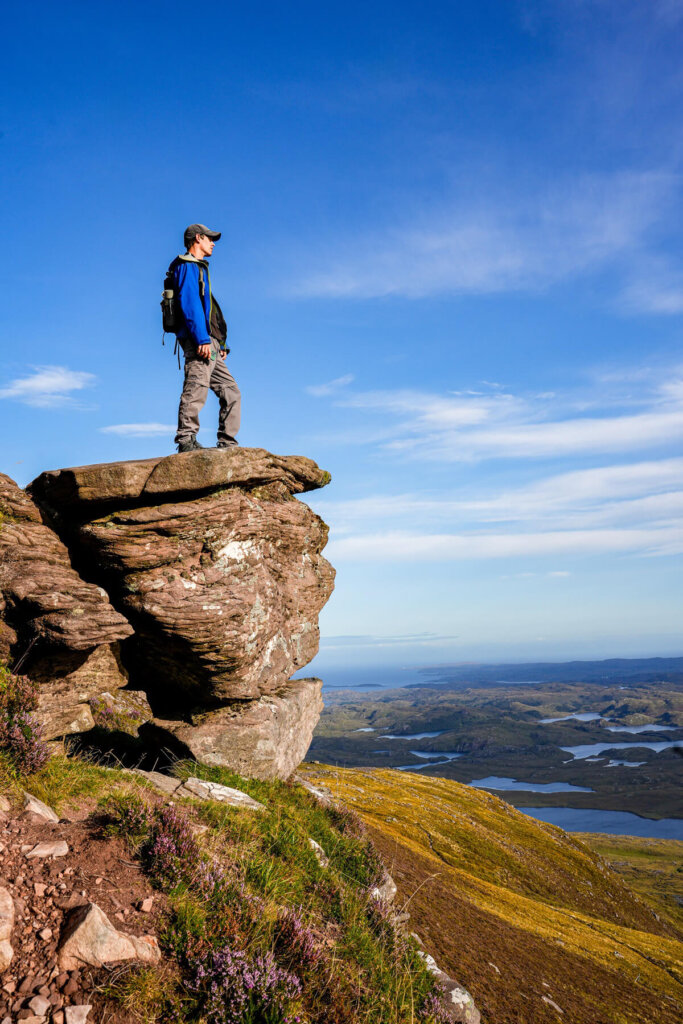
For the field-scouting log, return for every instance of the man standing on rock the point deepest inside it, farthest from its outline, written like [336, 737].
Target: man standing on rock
[201, 334]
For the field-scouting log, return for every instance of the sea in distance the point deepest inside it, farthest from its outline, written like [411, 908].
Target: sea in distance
[370, 677]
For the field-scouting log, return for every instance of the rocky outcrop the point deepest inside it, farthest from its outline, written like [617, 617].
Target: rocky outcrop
[63, 631]
[264, 738]
[218, 568]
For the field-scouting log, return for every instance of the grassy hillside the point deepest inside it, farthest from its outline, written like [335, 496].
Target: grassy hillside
[519, 911]
[652, 867]
[252, 927]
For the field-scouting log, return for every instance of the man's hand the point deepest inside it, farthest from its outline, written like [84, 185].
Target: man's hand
[204, 351]
[222, 353]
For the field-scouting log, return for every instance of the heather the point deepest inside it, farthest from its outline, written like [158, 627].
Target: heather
[261, 932]
[20, 738]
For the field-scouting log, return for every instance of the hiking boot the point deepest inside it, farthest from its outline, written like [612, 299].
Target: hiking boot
[191, 445]
[227, 444]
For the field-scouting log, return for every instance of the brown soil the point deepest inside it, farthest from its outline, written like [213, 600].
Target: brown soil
[508, 970]
[97, 870]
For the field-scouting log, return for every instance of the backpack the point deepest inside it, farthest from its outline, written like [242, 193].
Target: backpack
[168, 304]
[171, 317]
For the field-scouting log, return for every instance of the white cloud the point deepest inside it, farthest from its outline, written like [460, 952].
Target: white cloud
[637, 488]
[320, 390]
[332, 643]
[500, 244]
[48, 386]
[402, 546]
[139, 429]
[467, 427]
[635, 508]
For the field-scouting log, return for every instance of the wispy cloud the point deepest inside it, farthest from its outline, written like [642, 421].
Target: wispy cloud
[400, 546]
[139, 429]
[472, 426]
[633, 491]
[47, 387]
[499, 244]
[633, 507]
[332, 386]
[332, 643]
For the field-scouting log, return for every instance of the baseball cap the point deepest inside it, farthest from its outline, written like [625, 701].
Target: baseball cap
[199, 229]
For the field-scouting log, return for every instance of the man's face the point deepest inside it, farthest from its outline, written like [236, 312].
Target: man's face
[205, 244]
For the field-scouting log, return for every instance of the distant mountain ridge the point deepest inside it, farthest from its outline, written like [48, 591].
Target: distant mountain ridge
[635, 670]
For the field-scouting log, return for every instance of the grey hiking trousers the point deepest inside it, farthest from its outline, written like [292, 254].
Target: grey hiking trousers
[200, 375]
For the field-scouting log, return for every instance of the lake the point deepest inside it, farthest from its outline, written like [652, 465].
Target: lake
[497, 782]
[413, 735]
[578, 716]
[641, 728]
[615, 823]
[593, 749]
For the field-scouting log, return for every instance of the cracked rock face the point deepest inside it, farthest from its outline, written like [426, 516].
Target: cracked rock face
[65, 630]
[219, 569]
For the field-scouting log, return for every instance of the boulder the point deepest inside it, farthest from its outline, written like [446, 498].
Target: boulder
[121, 711]
[164, 783]
[319, 854]
[212, 559]
[203, 790]
[454, 1000]
[58, 848]
[6, 926]
[263, 739]
[64, 630]
[386, 890]
[89, 938]
[219, 568]
[77, 1014]
[37, 810]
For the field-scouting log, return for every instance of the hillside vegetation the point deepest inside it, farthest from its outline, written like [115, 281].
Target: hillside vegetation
[255, 924]
[525, 915]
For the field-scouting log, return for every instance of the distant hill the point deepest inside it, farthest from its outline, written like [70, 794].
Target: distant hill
[523, 914]
[627, 670]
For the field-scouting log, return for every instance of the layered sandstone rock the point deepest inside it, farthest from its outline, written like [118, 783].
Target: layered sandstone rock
[63, 631]
[219, 569]
[264, 739]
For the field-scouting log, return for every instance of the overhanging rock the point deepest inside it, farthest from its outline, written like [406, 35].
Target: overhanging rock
[219, 569]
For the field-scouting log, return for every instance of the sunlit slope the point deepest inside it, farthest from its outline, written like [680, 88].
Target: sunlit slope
[652, 867]
[488, 886]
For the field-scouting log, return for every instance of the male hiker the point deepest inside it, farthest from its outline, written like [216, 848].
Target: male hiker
[201, 333]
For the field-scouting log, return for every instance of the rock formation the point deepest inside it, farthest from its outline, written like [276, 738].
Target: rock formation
[61, 630]
[218, 568]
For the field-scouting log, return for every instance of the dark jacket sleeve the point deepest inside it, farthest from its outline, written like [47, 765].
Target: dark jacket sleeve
[191, 303]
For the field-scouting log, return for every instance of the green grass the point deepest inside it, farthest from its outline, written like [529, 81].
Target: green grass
[360, 971]
[363, 971]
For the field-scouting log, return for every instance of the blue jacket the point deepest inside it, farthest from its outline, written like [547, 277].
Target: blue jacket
[195, 307]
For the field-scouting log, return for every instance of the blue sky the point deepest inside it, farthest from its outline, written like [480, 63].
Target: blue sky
[451, 270]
